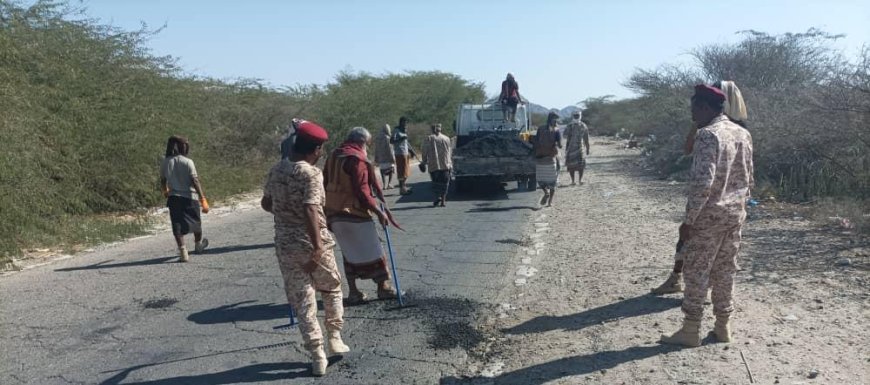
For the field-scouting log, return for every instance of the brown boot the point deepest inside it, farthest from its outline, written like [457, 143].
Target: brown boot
[318, 361]
[688, 335]
[722, 328]
[336, 345]
[674, 284]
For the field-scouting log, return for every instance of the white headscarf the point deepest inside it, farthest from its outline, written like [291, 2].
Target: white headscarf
[387, 130]
[734, 106]
[579, 114]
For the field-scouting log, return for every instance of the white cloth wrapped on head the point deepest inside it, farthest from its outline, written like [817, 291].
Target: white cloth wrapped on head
[734, 106]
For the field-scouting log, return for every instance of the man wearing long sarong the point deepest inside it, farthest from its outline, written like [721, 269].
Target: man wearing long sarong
[385, 158]
[547, 143]
[437, 157]
[721, 177]
[576, 136]
[294, 194]
[735, 109]
[404, 152]
[350, 188]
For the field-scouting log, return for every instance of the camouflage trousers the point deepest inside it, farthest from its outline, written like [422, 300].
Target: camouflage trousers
[301, 286]
[710, 260]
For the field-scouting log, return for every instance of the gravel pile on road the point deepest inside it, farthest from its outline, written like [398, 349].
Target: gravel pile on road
[495, 146]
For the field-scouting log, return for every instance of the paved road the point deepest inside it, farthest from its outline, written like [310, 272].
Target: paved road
[131, 314]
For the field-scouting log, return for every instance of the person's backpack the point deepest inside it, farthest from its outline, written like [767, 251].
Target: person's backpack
[545, 142]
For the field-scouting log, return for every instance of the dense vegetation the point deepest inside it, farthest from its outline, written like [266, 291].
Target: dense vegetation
[86, 110]
[809, 112]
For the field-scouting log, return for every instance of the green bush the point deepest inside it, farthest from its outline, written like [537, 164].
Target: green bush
[86, 111]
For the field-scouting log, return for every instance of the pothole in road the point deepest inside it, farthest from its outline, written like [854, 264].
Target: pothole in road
[452, 323]
[159, 303]
[455, 335]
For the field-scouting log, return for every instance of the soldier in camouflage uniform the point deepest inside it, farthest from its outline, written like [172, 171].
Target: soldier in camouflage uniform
[721, 177]
[294, 194]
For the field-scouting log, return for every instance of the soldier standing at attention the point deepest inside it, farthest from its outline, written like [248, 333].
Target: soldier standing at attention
[294, 193]
[721, 177]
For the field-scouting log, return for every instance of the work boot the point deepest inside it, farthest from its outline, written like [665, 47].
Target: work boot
[318, 361]
[674, 284]
[200, 246]
[336, 345]
[182, 254]
[688, 335]
[722, 328]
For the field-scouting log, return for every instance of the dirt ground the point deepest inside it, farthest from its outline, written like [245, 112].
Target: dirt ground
[580, 310]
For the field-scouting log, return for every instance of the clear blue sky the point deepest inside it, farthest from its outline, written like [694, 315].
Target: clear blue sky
[560, 51]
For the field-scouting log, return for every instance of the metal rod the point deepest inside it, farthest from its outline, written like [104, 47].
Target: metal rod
[393, 263]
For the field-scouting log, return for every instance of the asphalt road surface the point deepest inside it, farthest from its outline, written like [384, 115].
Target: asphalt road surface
[131, 314]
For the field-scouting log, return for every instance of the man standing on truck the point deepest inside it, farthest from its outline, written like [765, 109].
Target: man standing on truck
[404, 152]
[576, 135]
[547, 143]
[721, 176]
[437, 156]
[510, 98]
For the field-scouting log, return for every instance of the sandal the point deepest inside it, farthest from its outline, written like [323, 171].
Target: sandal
[388, 294]
[357, 298]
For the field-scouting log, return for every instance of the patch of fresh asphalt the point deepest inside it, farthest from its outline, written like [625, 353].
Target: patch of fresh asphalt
[131, 314]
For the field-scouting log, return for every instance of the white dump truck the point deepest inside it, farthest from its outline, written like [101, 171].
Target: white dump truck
[489, 150]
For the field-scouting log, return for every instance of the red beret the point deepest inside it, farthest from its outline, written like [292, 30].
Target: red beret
[310, 131]
[709, 93]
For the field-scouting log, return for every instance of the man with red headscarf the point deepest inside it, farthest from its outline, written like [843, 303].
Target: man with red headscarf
[721, 176]
[304, 247]
[351, 185]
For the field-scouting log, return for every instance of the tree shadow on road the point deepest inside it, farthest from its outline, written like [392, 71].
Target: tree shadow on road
[161, 260]
[232, 249]
[422, 192]
[109, 265]
[247, 374]
[569, 366]
[502, 208]
[236, 313]
[632, 307]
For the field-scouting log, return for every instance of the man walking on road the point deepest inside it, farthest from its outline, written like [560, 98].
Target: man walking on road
[576, 135]
[721, 177]
[385, 157]
[350, 186]
[546, 146]
[184, 195]
[404, 152]
[437, 157]
[294, 194]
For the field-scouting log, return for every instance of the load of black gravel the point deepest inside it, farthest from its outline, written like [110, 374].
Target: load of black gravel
[495, 145]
